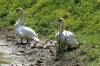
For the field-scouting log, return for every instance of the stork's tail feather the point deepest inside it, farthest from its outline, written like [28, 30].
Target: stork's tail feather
[36, 39]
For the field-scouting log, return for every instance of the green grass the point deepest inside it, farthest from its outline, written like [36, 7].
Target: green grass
[81, 17]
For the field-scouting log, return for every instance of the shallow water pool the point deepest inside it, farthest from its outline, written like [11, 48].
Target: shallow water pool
[5, 54]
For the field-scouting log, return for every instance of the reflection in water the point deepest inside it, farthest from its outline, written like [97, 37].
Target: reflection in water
[7, 58]
[3, 59]
[4, 62]
[5, 54]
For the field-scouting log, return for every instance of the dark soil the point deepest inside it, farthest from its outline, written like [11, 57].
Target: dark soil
[28, 56]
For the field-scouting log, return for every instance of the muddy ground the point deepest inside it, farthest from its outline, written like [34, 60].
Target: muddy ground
[27, 56]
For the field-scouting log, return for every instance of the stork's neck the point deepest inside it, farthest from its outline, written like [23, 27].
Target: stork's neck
[21, 17]
[20, 20]
[62, 26]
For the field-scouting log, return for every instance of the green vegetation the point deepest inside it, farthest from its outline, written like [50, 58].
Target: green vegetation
[61, 49]
[2, 61]
[81, 17]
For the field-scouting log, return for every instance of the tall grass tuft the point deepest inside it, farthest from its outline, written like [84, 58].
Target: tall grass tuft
[61, 47]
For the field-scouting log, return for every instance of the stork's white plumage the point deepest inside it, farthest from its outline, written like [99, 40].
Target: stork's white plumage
[22, 31]
[64, 36]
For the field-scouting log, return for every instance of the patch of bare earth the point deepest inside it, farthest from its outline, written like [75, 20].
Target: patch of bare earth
[27, 56]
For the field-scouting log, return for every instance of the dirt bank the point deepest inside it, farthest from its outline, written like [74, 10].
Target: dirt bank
[23, 55]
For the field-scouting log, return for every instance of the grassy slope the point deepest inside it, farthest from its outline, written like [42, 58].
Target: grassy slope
[81, 17]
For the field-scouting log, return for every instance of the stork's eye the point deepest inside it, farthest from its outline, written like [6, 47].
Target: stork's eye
[59, 20]
[17, 10]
